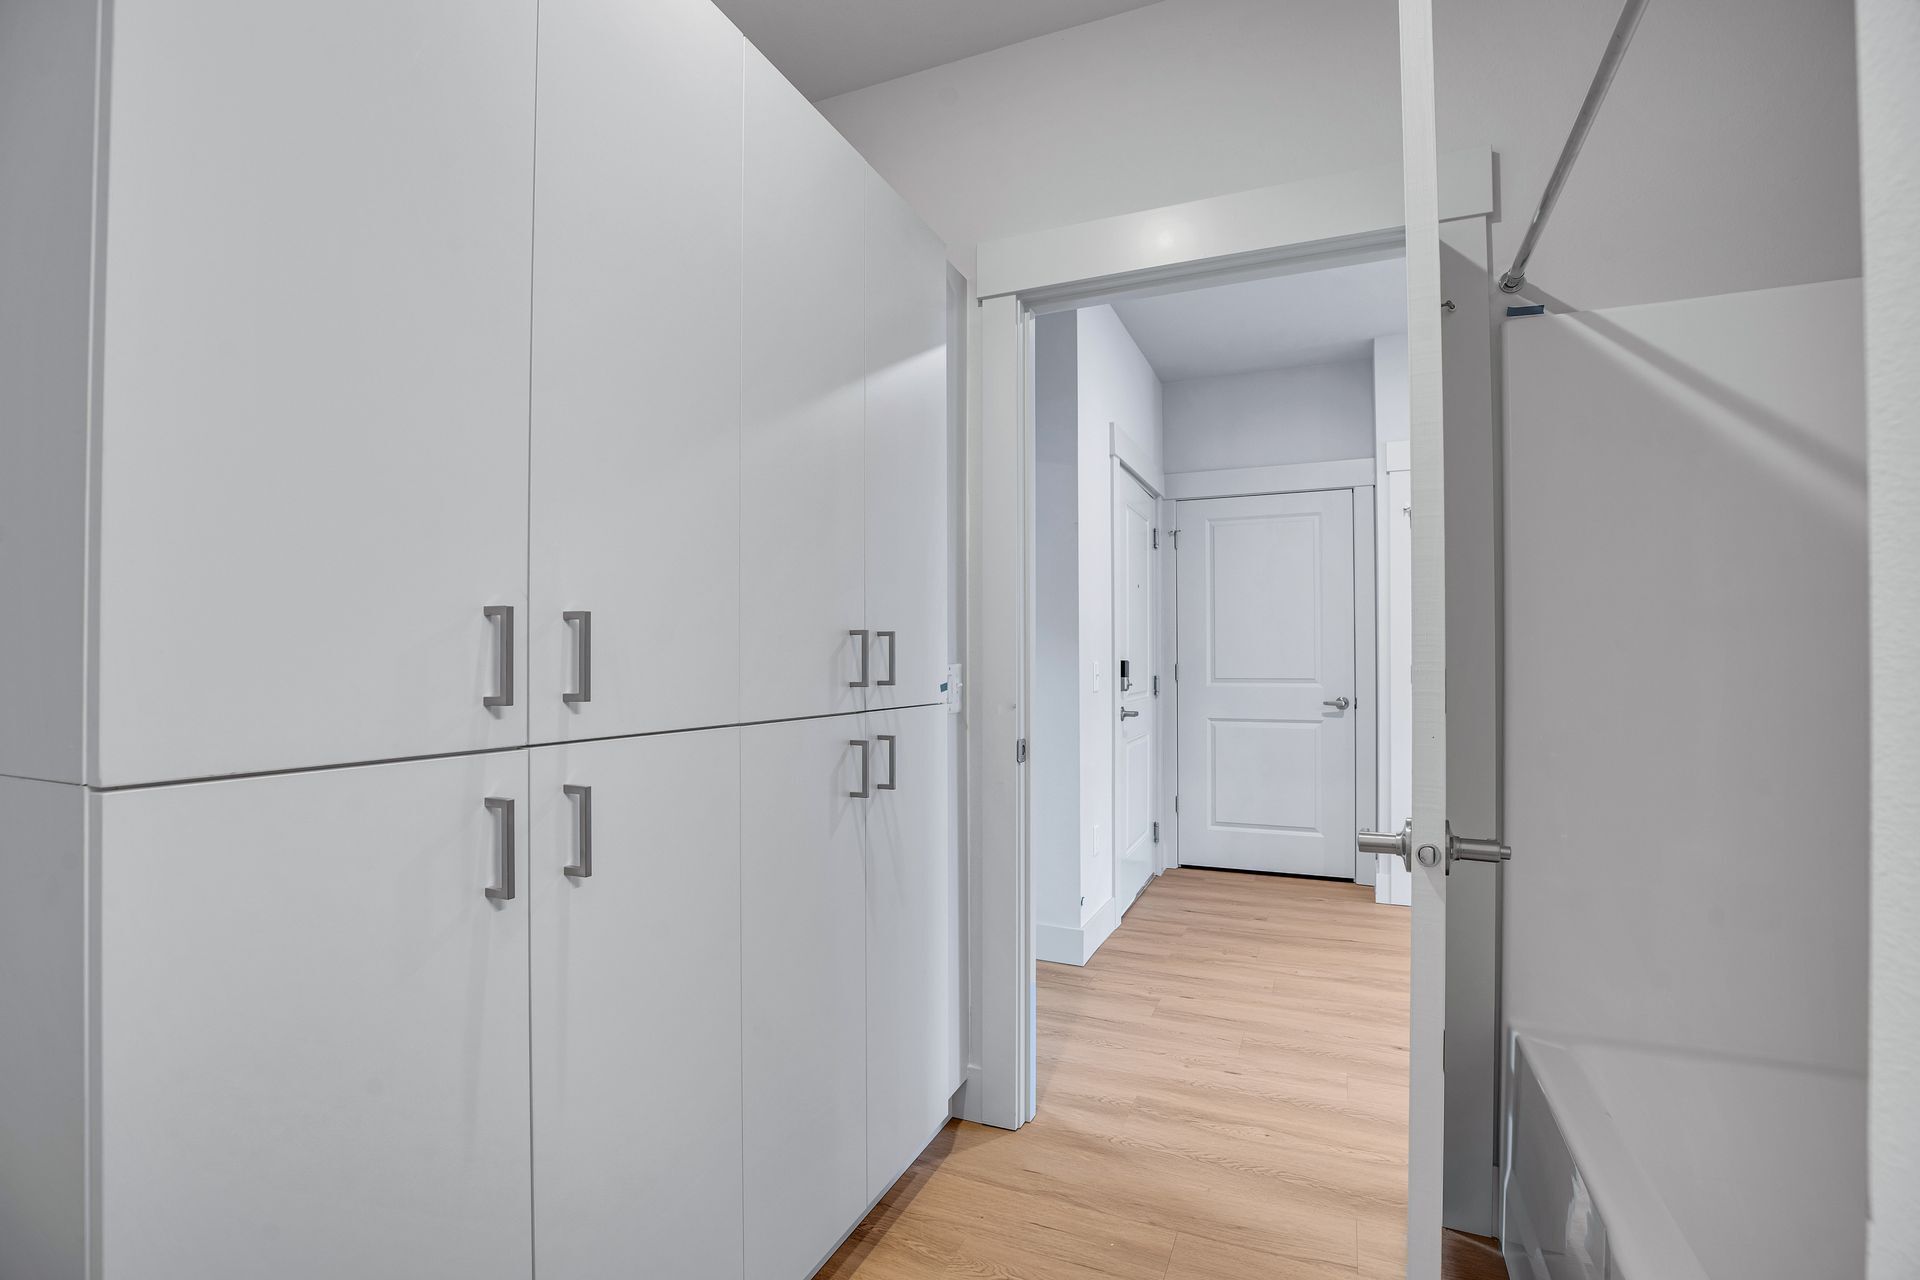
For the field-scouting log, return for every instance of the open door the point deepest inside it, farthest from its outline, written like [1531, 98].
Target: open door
[1452, 1129]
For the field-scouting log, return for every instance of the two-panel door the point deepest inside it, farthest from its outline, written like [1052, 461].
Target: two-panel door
[635, 542]
[803, 788]
[910, 960]
[311, 469]
[312, 1025]
[1266, 683]
[803, 397]
[634, 879]
[905, 454]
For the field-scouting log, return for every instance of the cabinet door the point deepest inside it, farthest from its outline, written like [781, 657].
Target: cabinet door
[802, 529]
[312, 1026]
[804, 989]
[910, 984]
[906, 453]
[636, 370]
[635, 881]
[312, 470]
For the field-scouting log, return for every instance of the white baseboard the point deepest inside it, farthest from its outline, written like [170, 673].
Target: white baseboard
[1062, 944]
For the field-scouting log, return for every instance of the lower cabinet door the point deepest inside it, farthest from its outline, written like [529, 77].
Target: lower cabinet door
[910, 961]
[802, 912]
[635, 887]
[312, 1026]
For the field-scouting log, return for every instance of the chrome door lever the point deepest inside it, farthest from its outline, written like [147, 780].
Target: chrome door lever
[1393, 846]
[1340, 703]
[1460, 849]
[1126, 714]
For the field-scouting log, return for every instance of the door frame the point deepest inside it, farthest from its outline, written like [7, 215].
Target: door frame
[1314, 223]
[1155, 490]
[1310, 477]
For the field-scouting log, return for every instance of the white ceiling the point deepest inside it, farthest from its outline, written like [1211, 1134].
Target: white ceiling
[1309, 317]
[829, 47]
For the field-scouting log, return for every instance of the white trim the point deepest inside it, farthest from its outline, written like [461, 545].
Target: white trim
[1061, 944]
[1247, 482]
[1129, 453]
[1168, 589]
[1366, 644]
[1396, 455]
[1313, 211]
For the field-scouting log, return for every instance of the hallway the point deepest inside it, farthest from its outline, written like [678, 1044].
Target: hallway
[1222, 1097]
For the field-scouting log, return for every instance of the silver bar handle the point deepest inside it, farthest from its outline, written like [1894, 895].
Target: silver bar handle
[1393, 846]
[1340, 703]
[893, 762]
[1129, 714]
[893, 645]
[866, 783]
[582, 866]
[581, 621]
[862, 682]
[501, 616]
[502, 811]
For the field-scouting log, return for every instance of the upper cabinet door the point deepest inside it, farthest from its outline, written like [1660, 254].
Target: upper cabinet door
[634, 873]
[312, 1036]
[906, 453]
[802, 527]
[635, 546]
[312, 466]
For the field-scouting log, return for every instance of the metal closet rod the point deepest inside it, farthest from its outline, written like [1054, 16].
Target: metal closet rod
[1596, 94]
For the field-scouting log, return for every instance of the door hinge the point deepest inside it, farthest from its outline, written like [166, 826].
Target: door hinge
[1156, 539]
[1175, 535]
[1176, 802]
[1020, 751]
[1176, 673]
[1156, 686]
[1156, 833]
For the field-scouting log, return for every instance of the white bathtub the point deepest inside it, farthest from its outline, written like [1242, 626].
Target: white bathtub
[1631, 1163]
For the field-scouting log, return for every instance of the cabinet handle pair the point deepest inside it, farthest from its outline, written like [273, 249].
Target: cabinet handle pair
[893, 644]
[501, 616]
[506, 855]
[893, 766]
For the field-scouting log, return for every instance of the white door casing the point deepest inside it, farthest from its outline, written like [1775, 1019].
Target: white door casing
[635, 496]
[1395, 883]
[1134, 709]
[636, 1004]
[1266, 643]
[314, 1059]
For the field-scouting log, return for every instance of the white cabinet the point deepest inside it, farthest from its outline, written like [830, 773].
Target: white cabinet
[311, 1026]
[802, 523]
[803, 934]
[910, 980]
[310, 473]
[906, 453]
[634, 881]
[634, 619]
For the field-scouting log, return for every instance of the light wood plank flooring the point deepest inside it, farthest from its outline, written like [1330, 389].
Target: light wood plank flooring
[1222, 1097]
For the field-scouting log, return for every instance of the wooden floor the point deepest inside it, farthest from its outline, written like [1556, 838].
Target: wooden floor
[1222, 1097]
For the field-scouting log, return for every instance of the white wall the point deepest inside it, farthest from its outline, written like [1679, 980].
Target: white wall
[1686, 678]
[1118, 392]
[1312, 413]
[1055, 719]
[1890, 120]
[1725, 159]
[1091, 385]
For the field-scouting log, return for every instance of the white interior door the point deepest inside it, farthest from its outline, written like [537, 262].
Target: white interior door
[910, 991]
[634, 585]
[634, 875]
[803, 395]
[906, 453]
[1136, 708]
[313, 453]
[804, 984]
[1267, 683]
[314, 1056]
[1394, 883]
